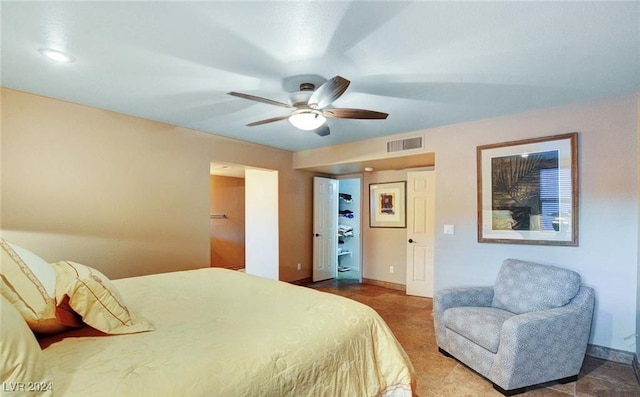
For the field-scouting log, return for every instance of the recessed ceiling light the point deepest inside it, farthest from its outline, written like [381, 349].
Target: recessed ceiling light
[56, 55]
[368, 169]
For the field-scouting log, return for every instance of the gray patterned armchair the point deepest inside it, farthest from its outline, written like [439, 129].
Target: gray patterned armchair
[531, 327]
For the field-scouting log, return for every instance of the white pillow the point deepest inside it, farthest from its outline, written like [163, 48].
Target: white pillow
[28, 283]
[40, 268]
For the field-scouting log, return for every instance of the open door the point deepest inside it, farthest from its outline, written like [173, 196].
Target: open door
[325, 228]
[420, 232]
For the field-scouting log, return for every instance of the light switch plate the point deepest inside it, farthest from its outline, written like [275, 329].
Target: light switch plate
[449, 229]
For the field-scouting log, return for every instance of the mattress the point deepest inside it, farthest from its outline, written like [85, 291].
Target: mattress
[225, 333]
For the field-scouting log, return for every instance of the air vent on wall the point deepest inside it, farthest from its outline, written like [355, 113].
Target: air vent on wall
[404, 144]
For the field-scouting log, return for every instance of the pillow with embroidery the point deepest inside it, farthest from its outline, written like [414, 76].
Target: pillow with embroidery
[94, 297]
[28, 283]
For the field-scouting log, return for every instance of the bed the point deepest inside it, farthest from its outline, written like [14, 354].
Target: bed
[220, 332]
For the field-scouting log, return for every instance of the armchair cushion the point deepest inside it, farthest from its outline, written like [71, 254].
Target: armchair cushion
[480, 325]
[523, 287]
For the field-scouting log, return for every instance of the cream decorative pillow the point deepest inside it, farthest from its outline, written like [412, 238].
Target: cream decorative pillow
[22, 370]
[94, 297]
[28, 283]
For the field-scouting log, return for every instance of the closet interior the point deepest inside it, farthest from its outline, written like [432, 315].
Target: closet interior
[349, 222]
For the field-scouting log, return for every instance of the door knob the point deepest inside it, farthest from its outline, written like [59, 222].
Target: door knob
[317, 235]
[412, 240]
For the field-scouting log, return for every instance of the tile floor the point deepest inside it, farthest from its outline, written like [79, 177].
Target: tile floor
[410, 318]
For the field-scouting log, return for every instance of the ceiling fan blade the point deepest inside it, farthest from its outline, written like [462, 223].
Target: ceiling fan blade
[345, 113]
[322, 131]
[260, 99]
[328, 92]
[265, 121]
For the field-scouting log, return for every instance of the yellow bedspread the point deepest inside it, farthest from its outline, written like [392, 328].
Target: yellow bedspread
[226, 333]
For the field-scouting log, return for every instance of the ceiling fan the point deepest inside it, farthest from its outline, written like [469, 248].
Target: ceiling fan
[309, 109]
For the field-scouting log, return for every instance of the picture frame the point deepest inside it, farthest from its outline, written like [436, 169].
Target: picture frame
[387, 204]
[528, 191]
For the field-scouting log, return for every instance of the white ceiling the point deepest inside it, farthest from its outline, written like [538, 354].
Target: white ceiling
[425, 63]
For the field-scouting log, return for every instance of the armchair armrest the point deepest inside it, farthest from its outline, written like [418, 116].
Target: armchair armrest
[457, 297]
[548, 344]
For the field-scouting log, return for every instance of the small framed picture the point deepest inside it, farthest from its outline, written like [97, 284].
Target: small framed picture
[528, 191]
[387, 204]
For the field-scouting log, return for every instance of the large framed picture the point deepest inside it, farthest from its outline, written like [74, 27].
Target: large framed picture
[387, 204]
[528, 191]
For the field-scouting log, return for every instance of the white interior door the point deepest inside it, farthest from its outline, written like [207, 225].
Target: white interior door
[420, 232]
[325, 228]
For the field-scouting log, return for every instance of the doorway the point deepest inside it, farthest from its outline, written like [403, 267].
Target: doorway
[337, 244]
[349, 229]
[251, 220]
[227, 217]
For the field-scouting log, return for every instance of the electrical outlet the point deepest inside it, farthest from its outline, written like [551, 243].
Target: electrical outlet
[299, 266]
[391, 269]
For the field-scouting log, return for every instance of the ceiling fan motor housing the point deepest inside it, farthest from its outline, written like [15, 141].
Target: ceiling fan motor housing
[300, 98]
[307, 87]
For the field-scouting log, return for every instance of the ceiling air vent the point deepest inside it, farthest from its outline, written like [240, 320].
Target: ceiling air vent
[404, 144]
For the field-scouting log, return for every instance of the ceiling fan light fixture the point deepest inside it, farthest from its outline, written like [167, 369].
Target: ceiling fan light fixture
[307, 119]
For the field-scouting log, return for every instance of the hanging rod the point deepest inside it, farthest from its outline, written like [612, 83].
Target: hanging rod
[219, 216]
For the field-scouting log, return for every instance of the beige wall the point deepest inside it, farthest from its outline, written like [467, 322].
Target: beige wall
[608, 209]
[126, 195]
[607, 257]
[382, 247]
